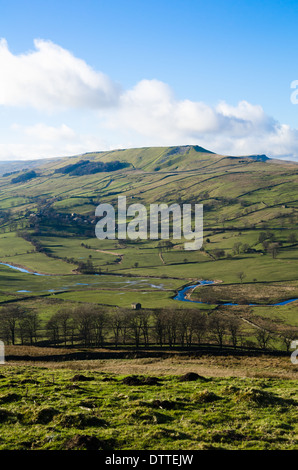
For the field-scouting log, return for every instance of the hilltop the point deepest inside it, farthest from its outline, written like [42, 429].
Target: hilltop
[243, 190]
[156, 158]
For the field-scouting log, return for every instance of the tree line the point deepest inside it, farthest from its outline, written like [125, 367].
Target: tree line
[94, 326]
[85, 167]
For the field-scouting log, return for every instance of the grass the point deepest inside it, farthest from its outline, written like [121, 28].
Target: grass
[148, 298]
[45, 408]
[17, 251]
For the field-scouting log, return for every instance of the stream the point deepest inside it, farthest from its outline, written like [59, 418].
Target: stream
[181, 295]
[22, 270]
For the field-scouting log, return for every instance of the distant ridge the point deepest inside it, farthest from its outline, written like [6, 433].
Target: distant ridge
[258, 158]
[182, 149]
[172, 150]
[172, 158]
[201, 149]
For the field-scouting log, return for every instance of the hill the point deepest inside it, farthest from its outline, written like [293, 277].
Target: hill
[249, 251]
[235, 190]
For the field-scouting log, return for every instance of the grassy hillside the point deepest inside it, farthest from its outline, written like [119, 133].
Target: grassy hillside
[47, 225]
[89, 409]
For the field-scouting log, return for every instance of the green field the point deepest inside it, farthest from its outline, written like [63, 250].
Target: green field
[69, 409]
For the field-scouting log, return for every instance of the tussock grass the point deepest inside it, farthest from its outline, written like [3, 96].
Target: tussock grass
[58, 410]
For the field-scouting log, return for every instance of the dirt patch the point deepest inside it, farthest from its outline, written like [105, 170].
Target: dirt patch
[205, 397]
[192, 376]
[81, 420]
[84, 442]
[45, 415]
[10, 397]
[73, 387]
[164, 404]
[148, 417]
[29, 381]
[259, 397]
[207, 365]
[228, 435]
[6, 415]
[88, 404]
[168, 433]
[81, 378]
[137, 380]
[108, 379]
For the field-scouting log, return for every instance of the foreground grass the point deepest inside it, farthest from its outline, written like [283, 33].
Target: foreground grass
[72, 406]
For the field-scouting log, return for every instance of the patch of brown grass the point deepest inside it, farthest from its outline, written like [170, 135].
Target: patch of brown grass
[206, 365]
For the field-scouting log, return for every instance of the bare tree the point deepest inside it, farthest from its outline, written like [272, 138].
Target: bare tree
[52, 328]
[182, 326]
[287, 336]
[63, 319]
[159, 327]
[99, 323]
[83, 319]
[28, 326]
[273, 248]
[171, 325]
[145, 326]
[9, 321]
[217, 328]
[233, 326]
[135, 326]
[199, 325]
[187, 323]
[263, 337]
[116, 322]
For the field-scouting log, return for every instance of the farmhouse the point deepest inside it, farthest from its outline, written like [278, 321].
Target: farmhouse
[136, 306]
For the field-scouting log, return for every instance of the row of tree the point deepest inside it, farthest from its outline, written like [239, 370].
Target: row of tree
[93, 326]
[85, 167]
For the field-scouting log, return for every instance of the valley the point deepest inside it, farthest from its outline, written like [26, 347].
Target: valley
[120, 310]
[250, 231]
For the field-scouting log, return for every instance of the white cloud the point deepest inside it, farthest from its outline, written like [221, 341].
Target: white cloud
[41, 141]
[50, 133]
[50, 77]
[151, 107]
[151, 110]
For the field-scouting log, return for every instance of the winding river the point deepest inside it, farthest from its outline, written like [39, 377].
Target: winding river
[181, 295]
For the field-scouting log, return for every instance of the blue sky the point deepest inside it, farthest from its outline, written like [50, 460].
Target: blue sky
[89, 75]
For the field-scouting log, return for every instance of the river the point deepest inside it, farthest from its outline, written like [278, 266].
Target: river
[181, 295]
